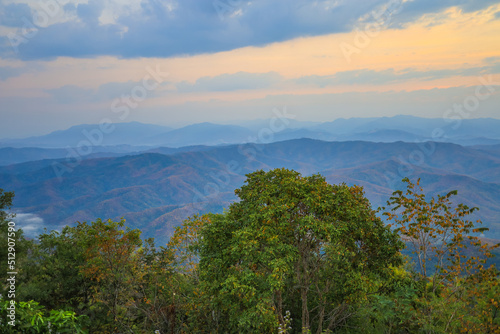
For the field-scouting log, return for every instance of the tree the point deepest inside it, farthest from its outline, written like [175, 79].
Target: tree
[114, 268]
[52, 276]
[449, 255]
[438, 232]
[34, 318]
[6, 199]
[14, 245]
[98, 270]
[5, 203]
[188, 306]
[293, 238]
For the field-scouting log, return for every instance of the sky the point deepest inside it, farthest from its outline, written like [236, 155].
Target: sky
[168, 62]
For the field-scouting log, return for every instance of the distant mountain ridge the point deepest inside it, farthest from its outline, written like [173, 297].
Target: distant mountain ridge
[382, 129]
[104, 134]
[203, 133]
[11, 155]
[156, 191]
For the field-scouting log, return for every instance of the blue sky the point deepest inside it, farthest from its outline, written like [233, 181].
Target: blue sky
[170, 62]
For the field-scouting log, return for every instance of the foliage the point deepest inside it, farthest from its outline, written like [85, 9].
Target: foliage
[294, 254]
[14, 246]
[439, 234]
[5, 203]
[51, 275]
[34, 318]
[292, 238]
[436, 232]
[112, 265]
[93, 269]
[6, 199]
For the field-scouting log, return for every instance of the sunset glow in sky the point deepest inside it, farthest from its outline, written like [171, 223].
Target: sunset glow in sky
[173, 63]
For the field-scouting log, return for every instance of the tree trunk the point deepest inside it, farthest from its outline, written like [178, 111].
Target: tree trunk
[305, 311]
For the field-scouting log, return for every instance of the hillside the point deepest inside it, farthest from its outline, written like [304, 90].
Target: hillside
[156, 191]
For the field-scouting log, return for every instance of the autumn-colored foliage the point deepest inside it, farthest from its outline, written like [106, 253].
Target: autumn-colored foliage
[450, 260]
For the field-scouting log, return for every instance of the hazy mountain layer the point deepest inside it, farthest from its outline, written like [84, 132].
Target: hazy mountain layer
[483, 131]
[156, 191]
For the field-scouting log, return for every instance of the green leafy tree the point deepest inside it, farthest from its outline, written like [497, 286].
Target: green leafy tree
[6, 199]
[32, 318]
[293, 243]
[5, 204]
[52, 276]
[14, 246]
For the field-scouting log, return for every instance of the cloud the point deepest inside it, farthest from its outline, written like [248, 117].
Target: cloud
[7, 72]
[231, 82]
[411, 11]
[25, 121]
[388, 76]
[69, 94]
[329, 106]
[157, 28]
[30, 223]
[492, 60]
[90, 12]
[14, 15]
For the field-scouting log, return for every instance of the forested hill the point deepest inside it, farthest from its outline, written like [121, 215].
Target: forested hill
[292, 253]
[156, 191]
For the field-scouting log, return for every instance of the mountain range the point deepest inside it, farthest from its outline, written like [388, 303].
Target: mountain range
[157, 188]
[138, 136]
